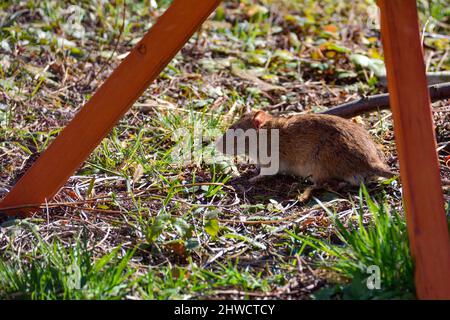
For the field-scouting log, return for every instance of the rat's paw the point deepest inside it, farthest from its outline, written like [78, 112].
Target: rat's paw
[306, 195]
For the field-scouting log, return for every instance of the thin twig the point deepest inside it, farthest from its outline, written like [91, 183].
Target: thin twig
[381, 101]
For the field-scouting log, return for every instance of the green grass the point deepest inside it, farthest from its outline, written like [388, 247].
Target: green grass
[54, 271]
[383, 243]
[196, 282]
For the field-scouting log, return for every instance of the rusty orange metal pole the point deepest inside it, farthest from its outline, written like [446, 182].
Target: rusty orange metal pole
[112, 100]
[416, 145]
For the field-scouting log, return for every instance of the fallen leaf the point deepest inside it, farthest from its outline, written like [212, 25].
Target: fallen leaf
[178, 247]
[374, 65]
[330, 28]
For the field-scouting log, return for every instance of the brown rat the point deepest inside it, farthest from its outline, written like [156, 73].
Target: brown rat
[322, 148]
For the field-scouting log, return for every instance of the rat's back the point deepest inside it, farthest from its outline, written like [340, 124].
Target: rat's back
[326, 147]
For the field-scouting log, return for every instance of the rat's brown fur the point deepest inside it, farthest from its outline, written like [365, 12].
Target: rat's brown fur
[322, 148]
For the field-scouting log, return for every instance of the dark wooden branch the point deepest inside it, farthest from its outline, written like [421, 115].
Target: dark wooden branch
[381, 101]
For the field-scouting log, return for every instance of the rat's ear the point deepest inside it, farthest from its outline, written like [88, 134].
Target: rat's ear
[259, 119]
